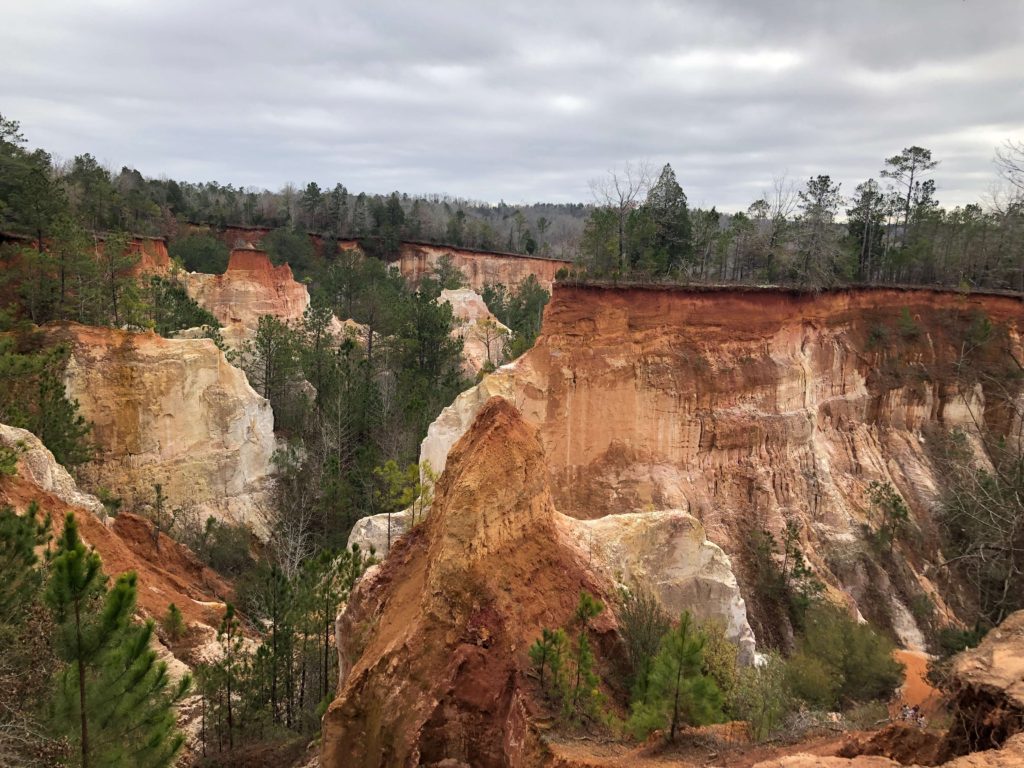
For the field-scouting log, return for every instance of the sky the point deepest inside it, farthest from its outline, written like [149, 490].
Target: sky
[519, 101]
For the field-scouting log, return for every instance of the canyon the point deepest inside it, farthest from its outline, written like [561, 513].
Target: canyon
[752, 408]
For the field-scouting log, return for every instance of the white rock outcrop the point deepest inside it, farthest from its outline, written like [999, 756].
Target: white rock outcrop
[174, 412]
[37, 465]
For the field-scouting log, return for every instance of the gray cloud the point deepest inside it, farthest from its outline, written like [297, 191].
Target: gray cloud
[526, 102]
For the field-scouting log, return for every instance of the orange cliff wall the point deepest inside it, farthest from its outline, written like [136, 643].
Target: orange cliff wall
[250, 287]
[415, 260]
[749, 408]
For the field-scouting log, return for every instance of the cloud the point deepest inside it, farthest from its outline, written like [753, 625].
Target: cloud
[523, 102]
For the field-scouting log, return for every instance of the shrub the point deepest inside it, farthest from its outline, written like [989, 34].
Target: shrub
[678, 692]
[909, 330]
[721, 656]
[173, 623]
[842, 661]
[761, 697]
[642, 624]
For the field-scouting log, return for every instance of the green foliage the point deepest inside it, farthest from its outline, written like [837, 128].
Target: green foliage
[113, 699]
[582, 696]
[200, 253]
[548, 654]
[679, 692]
[761, 696]
[173, 623]
[909, 330]
[9, 459]
[291, 246]
[789, 583]
[170, 309]
[34, 398]
[521, 309]
[890, 507]
[272, 363]
[841, 661]
[642, 623]
[721, 656]
[19, 537]
[447, 275]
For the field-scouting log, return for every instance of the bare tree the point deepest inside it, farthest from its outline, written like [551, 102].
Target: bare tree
[1010, 161]
[623, 191]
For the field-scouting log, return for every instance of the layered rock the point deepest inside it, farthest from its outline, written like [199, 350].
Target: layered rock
[416, 260]
[751, 407]
[483, 336]
[434, 641]
[173, 412]
[250, 288]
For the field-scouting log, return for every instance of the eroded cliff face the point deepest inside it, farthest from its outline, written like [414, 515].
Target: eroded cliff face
[434, 640]
[416, 260]
[748, 408]
[483, 336]
[170, 574]
[173, 412]
[249, 288]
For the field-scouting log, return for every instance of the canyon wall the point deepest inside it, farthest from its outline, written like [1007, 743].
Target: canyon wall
[249, 288]
[749, 408]
[415, 260]
[174, 412]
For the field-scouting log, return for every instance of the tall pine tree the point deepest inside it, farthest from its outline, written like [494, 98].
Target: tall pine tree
[113, 699]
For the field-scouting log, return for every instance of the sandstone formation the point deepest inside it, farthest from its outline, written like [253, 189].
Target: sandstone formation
[665, 550]
[173, 412]
[416, 260]
[249, 288]
[434, 641]
[483, 336]
[751, 407]
[668, 551]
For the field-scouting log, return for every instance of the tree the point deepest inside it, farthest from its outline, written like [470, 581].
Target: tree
[114, 698]
[866, 226]
[583, 694]
[622, 191]
[642, 624]
[173, 623]
[679, 690]
[818, 241]
[673, 232]
[893, 511]
[1010, 162]
[548, 656]
[906, 170]
[200, 253]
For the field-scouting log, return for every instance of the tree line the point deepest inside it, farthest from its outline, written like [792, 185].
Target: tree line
[892, 230]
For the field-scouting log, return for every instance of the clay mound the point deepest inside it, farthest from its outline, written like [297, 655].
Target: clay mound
[435, 639]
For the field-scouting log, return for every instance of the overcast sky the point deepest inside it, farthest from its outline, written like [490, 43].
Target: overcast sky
[522, 101]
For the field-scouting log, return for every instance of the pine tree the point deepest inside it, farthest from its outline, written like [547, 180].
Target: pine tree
[678, 690]
[114, 698]
[584, 695]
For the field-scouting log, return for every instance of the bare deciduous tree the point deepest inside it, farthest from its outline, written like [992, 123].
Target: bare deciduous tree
[622, 191]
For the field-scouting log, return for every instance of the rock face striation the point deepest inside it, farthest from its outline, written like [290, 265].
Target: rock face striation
[483, 336]
[249, 288]
[434, 641]
[173, 412]
[416, 260]
[749, 408]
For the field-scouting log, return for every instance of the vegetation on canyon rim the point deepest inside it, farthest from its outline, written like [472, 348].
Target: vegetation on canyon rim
[351, 448]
